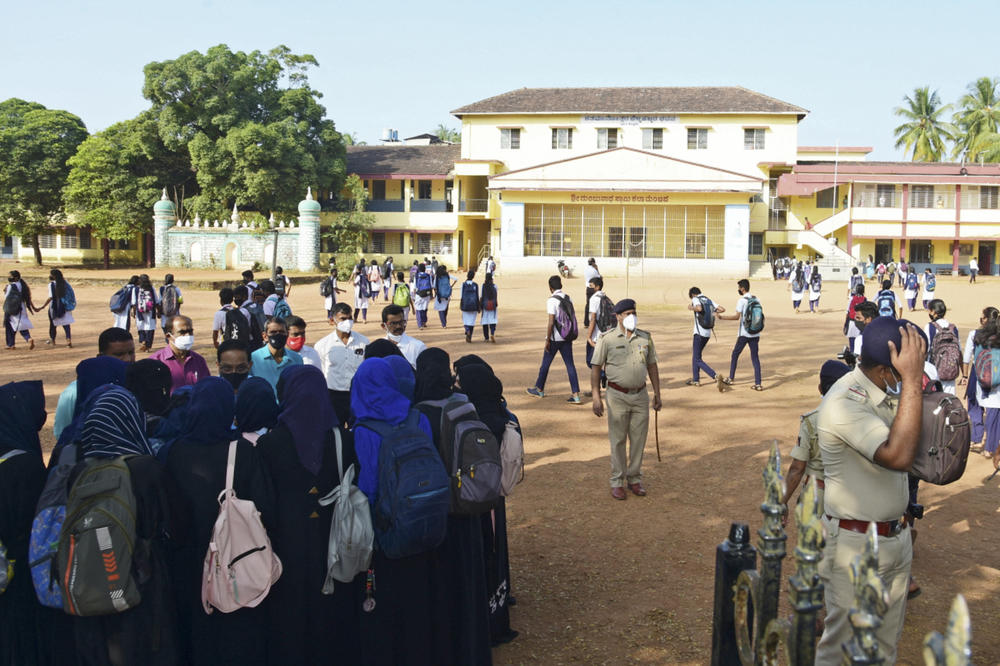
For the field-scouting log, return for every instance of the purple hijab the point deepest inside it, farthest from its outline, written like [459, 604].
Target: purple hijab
[305, 409]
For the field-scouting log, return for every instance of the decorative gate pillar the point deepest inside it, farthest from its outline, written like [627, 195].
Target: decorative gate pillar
[308, 233]
[164, 217]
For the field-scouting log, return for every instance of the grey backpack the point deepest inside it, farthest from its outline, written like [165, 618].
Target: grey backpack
[6, 564]
[352, 537]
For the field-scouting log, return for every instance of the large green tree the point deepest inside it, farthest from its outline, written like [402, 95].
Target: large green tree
[924, 134]
[978, 120]
[349, 230]
[255, 131]
[35, 143]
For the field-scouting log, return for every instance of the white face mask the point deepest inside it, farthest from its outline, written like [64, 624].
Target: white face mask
[894, 390]
[345, 325]
[393, 337]
[184, 342]
[630, 322]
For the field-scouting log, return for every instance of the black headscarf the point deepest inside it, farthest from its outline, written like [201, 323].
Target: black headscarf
[305, 409]
[485, 391]
[256, 407]
[382, 348]
[22, 415]
[434, 380]
[94, 372]
[150, 382]
[470, 359]
[208, 416]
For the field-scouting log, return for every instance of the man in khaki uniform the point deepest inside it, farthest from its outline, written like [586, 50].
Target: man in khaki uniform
[869, 427]
[626, 355]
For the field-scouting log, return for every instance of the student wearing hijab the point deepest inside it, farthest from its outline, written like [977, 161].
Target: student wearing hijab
[23, 622]
[91, 373]
[149, 381]
[114, 342]
[305, 626]
[197, 464]
[146, 634]
[403, 371]
[256, 409]
[382, 348]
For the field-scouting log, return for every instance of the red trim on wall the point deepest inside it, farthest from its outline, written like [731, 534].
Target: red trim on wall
[958, 224]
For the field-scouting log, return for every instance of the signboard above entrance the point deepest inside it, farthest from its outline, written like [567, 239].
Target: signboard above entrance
[627, 120]
[619, 198]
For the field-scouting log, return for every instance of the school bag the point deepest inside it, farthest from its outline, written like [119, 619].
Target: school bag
[280, 282]
[816, 281]
[470, 298]
[911, 281]
[946, 353]
[470, 453]
[489, 297]
[566, 319]
[240, 565]
[511, 458]
[410, 515]
[326, 287]
[282, 308]
[401, 295]
[69, 298]
[986, 364]
[170, 301]
[364, 286]
[705, 318]
[43, 545]
[386, 270]
[145, 302]
[121, 300]
[97, 541]
[930, 283]
[886, 302]
[856, 281]
[352, 538]
[6, 565]
[236, 327]
[423, 285]
[798, 285]
[753, 316]
[945, 437]
[12, 303]
[258, 322]
[605, 316]
[444, 287]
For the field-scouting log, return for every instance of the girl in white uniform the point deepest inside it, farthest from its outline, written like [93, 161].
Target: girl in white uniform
[360, 302]
[18, 323]
[441, 303]
[57, 293]
[489, 302]
[146, 300]
[375, 279]
[797, 285]
[469, 316]
[815, 287]
[927, 279]
[123, 319]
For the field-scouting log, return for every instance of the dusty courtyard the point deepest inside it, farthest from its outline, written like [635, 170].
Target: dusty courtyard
[600, 581]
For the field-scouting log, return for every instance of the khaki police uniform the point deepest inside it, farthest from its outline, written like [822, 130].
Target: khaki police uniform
[625, 359]
[853, 422]
[806, 450]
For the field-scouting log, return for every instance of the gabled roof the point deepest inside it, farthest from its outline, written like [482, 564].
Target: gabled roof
[694, 99]
[399, 161]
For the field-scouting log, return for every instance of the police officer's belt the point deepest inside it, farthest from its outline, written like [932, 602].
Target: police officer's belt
[625, 390]
[884, 528]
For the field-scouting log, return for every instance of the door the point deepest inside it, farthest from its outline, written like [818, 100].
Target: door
[461, 248]
[231, 257]
[987, 253]
[883, 251]
[7, 247]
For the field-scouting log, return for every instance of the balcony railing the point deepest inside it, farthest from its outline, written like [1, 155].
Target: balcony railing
[386, 206]
[878, 200]
[474, 205]
[429, 206]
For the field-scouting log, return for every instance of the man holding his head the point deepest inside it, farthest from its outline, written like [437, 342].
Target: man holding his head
[340, 354]
[186, 365]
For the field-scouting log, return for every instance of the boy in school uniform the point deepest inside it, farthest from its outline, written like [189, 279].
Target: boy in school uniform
[701, 335]
[744, 339]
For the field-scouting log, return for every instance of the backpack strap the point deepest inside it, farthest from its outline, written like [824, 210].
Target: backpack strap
[340, 452]
[231, 466]
[10, 454]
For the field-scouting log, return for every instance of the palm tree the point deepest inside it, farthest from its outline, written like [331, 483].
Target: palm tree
[924, 133]
[977, 120]
[448, 134]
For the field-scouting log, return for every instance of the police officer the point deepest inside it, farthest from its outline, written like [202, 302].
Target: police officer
[626, 355]
[868, 430]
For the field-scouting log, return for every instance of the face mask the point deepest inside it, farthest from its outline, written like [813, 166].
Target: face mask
[345, 325]
[235, 378]
[894, 390]
[184, 342]
[295, 342]
[630, 322]
[393, 337]
[860, 324]
[278, 340]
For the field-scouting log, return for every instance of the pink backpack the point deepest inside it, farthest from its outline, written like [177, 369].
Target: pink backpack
[240, 565]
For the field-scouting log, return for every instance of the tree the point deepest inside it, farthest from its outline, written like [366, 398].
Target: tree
[977, 120]
[35, 143]
[350, 229]
[351, 139]
[448, 134]
[253, 128]
[924, 134]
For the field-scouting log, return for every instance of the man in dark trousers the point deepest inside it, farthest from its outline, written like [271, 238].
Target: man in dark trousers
[555, 344]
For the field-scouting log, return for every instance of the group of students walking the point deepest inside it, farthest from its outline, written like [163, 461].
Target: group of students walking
[18, 305]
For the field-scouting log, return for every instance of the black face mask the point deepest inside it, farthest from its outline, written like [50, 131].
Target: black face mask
[278, 340]
[235, 378]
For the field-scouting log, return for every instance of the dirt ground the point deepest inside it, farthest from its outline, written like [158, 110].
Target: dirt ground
[600, 581]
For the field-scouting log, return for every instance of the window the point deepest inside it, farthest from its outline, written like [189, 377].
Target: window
[921, 252]
[652, 139]
[562, 138]
[756, 247]
[965, 249]
[378, 243]
[85, 238]
[697, 138]
[753, 138]
[47, 241]
[70, 240]
[424, 244]
[921, 196]
[827, 198]
[989, 196]
[510, 138]
[694, 244]
[423, 189]
[607, 138]
[378, 190]
[886, 196]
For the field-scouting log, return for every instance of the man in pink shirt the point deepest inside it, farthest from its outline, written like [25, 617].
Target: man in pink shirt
[186, 366]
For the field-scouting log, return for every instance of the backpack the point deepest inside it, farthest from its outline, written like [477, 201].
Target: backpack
[326, 288]
[946, 353]
[97, 541]
[423, 285]
[911, 281]
[6, 565]
[856, 281]
[401, 295]
[120, 300]
[169, 301]
[43, 545]
[282, 308]
[444, 287]
[566, 319]
[705, 318]
[903, 267]
[410, 515]
[236, 326]
[816, 282]
[753, 316]
[349, 551]
[930, 283]
[258, 323]
[798, 285]
[68, 298]
[279, 285]
[145, 302]
[886, 303]
[511, 458]
[470, 298]
[386, 270]
[240, 565]
[12, 303]
[489, 297]
[986, 362]
[364, 285]
[471, 456]
[605, 315]
[945, 437]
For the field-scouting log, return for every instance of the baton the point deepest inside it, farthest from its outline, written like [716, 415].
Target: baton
[997, 470]
[656, 429]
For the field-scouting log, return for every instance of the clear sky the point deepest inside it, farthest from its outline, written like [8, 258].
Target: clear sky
[407, 64]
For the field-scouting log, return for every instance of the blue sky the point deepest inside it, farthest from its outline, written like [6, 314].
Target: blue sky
[407, 64]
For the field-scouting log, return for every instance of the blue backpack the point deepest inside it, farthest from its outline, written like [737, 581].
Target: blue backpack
[69, 298]
[886, 302]
[423, 284]
[911, 281]
[121, 300]
[470, 297]
[753, 316]
[444, 287]
[50, 514]
[931, 282]
[364, 285]
[282, 308]
[410, 514]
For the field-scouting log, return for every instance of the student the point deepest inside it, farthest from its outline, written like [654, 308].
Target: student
[282, 285]
[186, 365]
[197, 464]
[701, 336]
[797, 285]
[973, 269]
[491, 266]
[273, 358]
[988, 337]
[219, 319]
[851, 329]
[414, 269]
[297, 341]
[145, 312]
[936, 310]
[470, 305]
[256, 409]
[421, 290]
[554, 344]
[928, 282]
[59, 314]
[856, 281]
[394, 326]
[387, 270]
[123, 319]
[885, 301]
[273, 301]
[18, 323]
[249, 281]
[490, 304]
[975, 410]
[595, 287]
[330, 288]
[170, 301]
[443, 284]
[910, 291]
[402, 295]
[815, 288]
[254, 307]
[864, 314]
[233, 363]
[362, 291]
[903, 272]
[374, 274]
[744, 338]
[589, 273]
[114, 342]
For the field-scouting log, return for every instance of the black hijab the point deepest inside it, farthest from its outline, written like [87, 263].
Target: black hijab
[208, 417]
[434, 380]
[150, 382]
[470, 359]
[22, 415]
[305, 409]
[256, 407]
[485, 391]
[382, 348]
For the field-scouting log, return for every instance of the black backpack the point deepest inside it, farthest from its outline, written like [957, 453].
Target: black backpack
[236, 327]
[258, 321]
[605, 316]
[12, 304]
[279, 284]
[470, 298]
[326, 287]
[706, 318]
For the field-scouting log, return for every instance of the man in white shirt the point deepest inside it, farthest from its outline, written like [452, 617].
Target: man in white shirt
[973, 270]
[555, 344]
[297, 342]
[701, 335]
[589, 273]
[745, 338]
[491, 266]
[394, 326]
[340, 354]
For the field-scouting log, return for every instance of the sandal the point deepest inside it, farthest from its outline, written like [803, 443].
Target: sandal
[727, 381]
[692, 382]
[757, 387]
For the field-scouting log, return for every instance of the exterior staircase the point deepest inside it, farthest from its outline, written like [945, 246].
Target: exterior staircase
[836, 221]
[834, 264]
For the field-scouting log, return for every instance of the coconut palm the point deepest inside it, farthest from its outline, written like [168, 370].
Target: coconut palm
[977, 120]
[925, 133]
